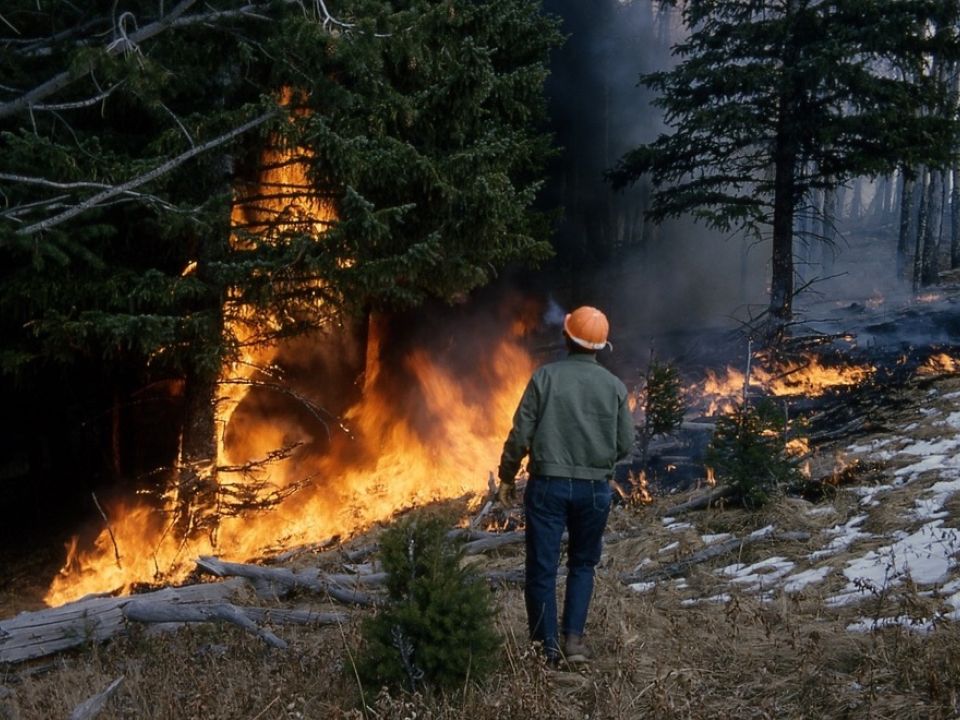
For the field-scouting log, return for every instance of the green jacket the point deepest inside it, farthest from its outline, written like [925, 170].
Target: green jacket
[573, 421]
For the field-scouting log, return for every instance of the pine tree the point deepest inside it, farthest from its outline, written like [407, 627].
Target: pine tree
[127, 128]
[437, 628]
[776, 98]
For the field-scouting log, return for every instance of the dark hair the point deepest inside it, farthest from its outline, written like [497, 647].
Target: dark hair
[574, 348]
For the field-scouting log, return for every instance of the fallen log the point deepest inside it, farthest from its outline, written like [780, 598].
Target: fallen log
[152, 611]
[93, 705]
[89, 620]
[725, 547]
[496, 540]
[701, 502]
[277, 582]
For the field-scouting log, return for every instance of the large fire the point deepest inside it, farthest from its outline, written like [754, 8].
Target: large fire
[440, 443]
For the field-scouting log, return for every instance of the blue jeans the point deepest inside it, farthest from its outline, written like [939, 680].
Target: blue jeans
[552, 505]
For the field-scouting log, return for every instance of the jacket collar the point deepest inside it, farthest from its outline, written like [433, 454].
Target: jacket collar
[582, 357]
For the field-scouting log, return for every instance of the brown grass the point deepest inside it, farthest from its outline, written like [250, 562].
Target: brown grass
[789, 658]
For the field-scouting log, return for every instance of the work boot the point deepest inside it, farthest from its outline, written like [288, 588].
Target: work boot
[575, 650]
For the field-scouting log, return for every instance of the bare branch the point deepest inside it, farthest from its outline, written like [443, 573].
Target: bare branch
[58, 82]
[79, 103]
[158, 171]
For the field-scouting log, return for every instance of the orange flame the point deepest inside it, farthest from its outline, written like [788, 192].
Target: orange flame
[939, 364]
[440, 446]
[808, 377]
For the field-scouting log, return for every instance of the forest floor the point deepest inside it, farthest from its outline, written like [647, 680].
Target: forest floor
[859, 620]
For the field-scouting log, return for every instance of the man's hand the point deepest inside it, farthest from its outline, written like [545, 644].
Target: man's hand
[506, 493]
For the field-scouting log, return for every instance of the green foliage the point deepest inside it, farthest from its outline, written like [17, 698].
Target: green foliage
[420, 122]
[437, 627]
[748, 452]
[821, 73]
[663, 399]
[772, 100]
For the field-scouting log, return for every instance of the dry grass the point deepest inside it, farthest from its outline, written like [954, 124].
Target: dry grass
[789, 657]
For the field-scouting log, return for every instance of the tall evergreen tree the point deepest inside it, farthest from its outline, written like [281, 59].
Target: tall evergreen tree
[774, 98]
[128, 130]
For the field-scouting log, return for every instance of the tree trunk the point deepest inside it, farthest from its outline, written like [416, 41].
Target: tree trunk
[930, 264]
[785, 158]
[906, 209]
[921, 229]
[955, 217]
[196, 489]
[828, 228]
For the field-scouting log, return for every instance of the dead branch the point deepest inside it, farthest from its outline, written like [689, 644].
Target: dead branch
[276, 582]
[701, 502]
[710, 552]
[106, 521]
[62, 80]
[162, 169]
[475, 547]
[151, 611]
[93, 619]
[93, 705]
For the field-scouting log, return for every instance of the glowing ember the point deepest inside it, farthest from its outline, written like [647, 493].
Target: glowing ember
[798, 446]
[711, 479]
[929, 297]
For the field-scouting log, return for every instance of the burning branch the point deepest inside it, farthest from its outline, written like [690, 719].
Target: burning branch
[113, 538]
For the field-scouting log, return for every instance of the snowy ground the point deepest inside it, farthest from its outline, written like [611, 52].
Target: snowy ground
[885, 536]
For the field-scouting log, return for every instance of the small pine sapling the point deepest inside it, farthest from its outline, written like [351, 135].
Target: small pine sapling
[748, 453]
[663, 404]
[436, 629]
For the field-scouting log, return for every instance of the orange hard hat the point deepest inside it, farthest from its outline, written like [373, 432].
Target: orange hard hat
[587, 327]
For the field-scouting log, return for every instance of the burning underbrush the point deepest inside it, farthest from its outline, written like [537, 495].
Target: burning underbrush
[840, 607]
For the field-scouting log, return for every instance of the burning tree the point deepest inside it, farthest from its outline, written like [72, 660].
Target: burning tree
[772, 100]
[142, 252]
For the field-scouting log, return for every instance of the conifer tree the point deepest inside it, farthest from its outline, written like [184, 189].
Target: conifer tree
[126, 129]
[775, 98]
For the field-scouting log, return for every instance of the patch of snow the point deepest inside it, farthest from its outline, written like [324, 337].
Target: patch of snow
[762, 532]
[868, 494]
[720, 599]
[869, 625]
[873, 446]
[926, 556]
[930, 505]
[845, 536]
[668, 548]
[953, 420]
[642, 587]
[759, 573]
[797, 582]
[679, 526]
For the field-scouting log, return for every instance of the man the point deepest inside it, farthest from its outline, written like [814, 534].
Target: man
[574, 423]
